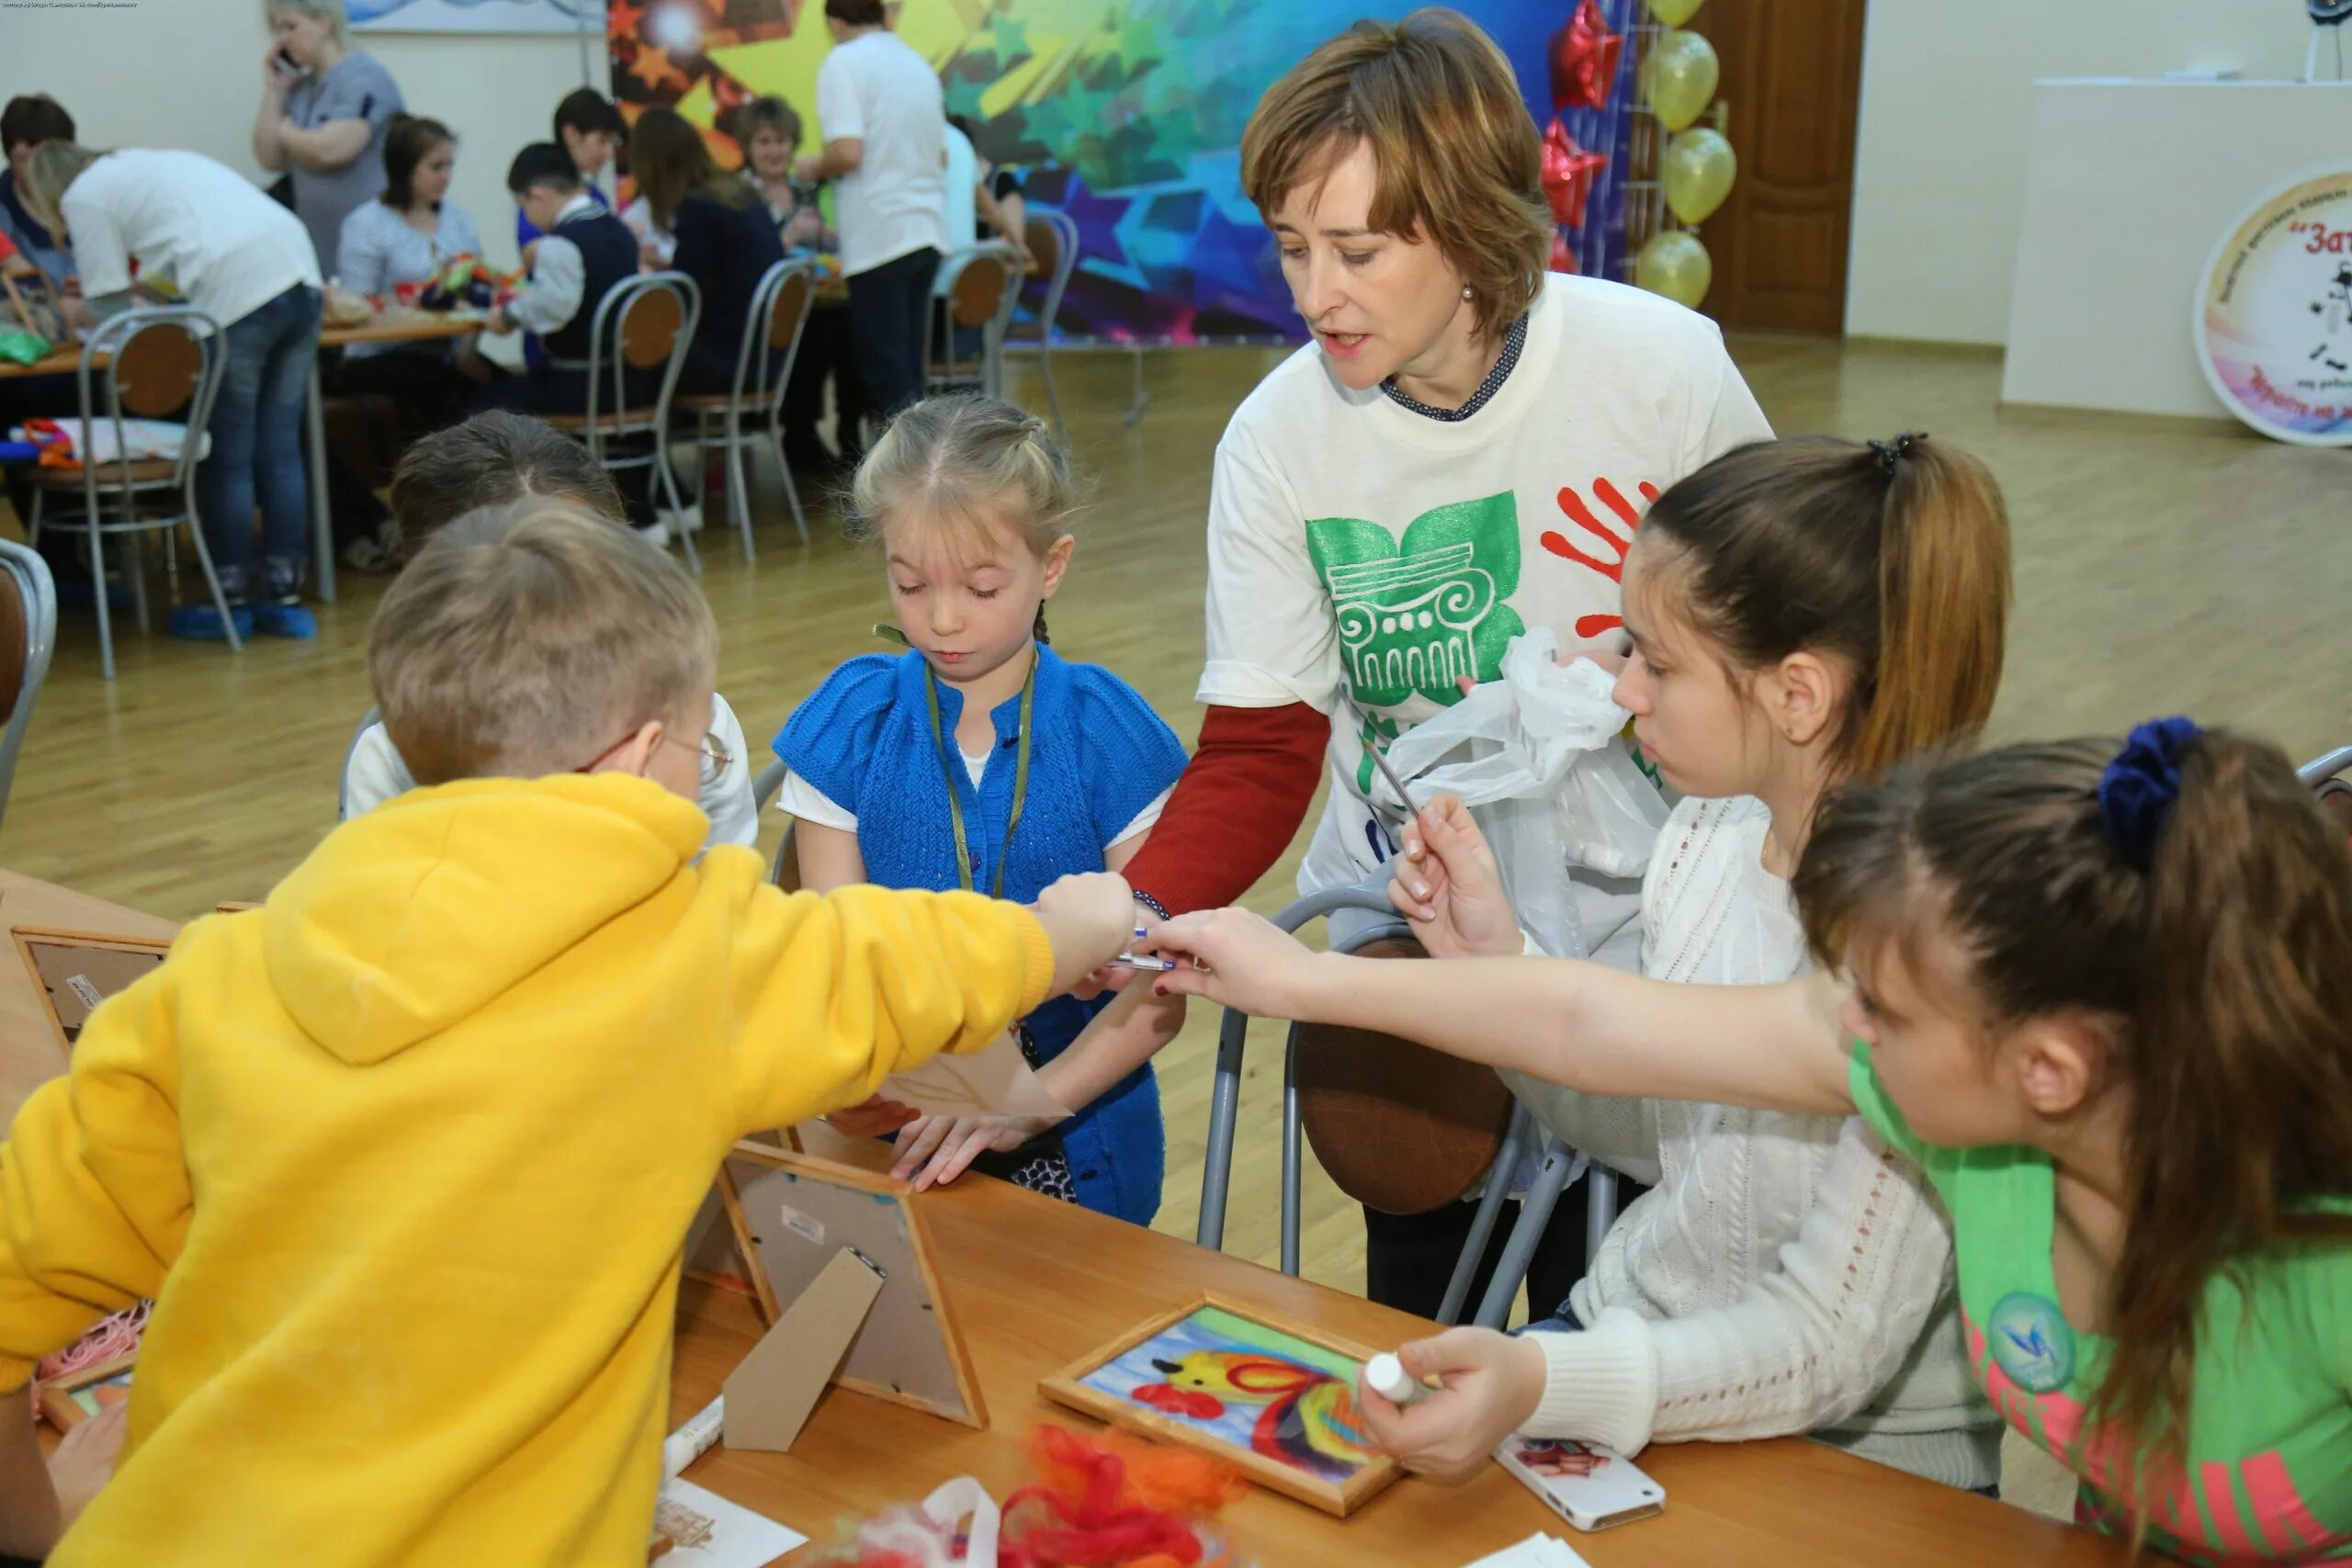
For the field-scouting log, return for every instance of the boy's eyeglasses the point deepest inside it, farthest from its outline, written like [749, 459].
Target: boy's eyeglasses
[716, 759]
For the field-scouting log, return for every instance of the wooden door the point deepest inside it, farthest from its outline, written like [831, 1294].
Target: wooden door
[1792, 88]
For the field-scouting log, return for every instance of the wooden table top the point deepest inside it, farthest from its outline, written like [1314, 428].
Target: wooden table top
[1035, 1284]
[30, 1054]
[389, 326]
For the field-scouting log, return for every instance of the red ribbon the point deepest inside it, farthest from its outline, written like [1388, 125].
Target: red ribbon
[1584, 59]
[1568, 171]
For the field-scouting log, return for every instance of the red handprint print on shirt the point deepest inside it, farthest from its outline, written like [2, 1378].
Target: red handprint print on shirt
[1582, 516]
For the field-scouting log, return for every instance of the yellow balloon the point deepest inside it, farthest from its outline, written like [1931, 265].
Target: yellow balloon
[1676, 265]
[1680, 73]
[1674, 12]
[1697, 173]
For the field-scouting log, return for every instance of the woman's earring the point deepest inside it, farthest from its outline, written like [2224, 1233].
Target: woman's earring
[1466, 291]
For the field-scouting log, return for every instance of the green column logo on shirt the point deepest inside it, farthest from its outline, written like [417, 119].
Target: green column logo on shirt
[1417, 615]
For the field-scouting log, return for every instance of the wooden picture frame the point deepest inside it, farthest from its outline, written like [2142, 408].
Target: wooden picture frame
[117, 961]
[1336, 1484]
[58, 1406]
[791, 1214]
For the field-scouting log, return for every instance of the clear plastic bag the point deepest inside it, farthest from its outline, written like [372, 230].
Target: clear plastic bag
[1538, 757]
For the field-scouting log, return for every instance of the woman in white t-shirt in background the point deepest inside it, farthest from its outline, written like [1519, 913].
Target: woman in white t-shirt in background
[1462, 454]
[885, 124]
[224, 247]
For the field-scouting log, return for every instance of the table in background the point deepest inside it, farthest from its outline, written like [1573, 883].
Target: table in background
[1035, 1284]
[389, 326]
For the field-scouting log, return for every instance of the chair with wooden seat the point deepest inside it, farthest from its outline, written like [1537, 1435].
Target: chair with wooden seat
[1052, 237]
[977, 289]
[725, 421]
[2324, 776]
[1396, 1126]
[641, 329]
[144, 364]
[27, 632]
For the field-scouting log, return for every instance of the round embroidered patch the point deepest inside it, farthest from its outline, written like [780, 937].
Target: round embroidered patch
[2033, 1342]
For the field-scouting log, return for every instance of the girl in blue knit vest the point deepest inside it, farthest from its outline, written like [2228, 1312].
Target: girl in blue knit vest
[980, 759]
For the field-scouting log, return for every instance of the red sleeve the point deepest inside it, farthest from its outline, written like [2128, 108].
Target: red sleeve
[1236, 808]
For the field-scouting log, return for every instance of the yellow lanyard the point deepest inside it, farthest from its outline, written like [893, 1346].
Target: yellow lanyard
[951, 760]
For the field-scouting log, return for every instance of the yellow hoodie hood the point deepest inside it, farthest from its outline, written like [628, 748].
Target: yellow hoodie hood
[417, 914]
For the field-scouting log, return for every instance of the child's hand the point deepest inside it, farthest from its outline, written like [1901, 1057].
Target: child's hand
[85, 1459]
[874, 1118]
[530, 255]
[940, 1147]
[1090, 918]
[1233, 958]
[1492, 1384]
[1448, 889]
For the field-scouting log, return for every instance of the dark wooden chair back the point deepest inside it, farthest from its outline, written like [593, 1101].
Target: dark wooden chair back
[1398, 1127]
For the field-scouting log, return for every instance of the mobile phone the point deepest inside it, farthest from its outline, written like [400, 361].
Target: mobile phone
[1593, 1487]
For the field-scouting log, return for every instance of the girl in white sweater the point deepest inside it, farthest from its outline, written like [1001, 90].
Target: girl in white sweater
[1801, 612]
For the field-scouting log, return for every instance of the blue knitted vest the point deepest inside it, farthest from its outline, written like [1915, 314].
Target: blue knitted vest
[866, 741]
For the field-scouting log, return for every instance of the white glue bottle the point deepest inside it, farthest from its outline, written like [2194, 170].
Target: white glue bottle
[1387, 1377]
[694, 1439]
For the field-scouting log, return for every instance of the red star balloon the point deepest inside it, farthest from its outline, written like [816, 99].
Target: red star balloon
[1584, 59]
[1568, 171]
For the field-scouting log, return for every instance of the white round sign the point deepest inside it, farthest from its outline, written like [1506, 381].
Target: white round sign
[2274, 314]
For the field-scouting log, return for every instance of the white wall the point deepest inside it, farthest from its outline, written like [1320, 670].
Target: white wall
[1941, 161]
[187, 73]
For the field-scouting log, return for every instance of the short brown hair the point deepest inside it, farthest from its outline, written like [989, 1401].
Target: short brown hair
[767, 113]
[33, 118]
[1459, 164]
[495, 459]
[519, 644]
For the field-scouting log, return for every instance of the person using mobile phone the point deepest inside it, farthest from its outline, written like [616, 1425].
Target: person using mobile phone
[325, 109]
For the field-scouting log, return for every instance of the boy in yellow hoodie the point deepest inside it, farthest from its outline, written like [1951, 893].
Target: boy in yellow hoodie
[406, 1156]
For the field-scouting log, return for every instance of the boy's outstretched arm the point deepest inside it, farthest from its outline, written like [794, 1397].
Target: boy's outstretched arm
[835, 993]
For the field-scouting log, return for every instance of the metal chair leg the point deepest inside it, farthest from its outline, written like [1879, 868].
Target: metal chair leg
[667, 476]
[1225, 1099]
[1053, 402]
[32, 523]
[738, 488]
[791, 491]
[1490, 1208]
[98, 582]
[1600, 1207]
[1293, 1137]
[212, 582]
[134, 564]
[1559, 1168]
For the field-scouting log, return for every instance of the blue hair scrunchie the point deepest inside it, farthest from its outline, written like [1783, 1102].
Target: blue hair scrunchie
[2137, 790]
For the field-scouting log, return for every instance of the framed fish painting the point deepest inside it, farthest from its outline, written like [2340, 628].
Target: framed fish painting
[1276, 1399]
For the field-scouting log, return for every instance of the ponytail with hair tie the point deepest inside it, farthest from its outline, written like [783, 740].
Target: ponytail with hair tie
[2138, 789]
[1890, 453]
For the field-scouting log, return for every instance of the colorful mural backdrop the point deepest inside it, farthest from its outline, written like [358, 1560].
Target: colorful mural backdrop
[1128, 115]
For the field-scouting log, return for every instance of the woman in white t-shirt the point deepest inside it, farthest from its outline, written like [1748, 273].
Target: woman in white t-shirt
[1461, 454]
